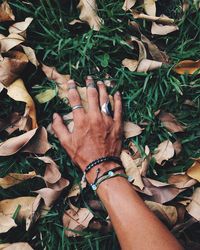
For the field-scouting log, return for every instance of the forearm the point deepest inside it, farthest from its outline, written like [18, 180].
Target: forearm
[135, 225]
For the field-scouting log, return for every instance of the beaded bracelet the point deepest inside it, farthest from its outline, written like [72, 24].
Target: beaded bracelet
[110, 175]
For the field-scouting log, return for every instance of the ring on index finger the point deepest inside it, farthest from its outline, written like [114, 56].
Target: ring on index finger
[106, 108]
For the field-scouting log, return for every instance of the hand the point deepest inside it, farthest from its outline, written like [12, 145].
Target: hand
[95, 134]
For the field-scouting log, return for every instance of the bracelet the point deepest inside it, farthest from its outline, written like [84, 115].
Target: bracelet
[110, 175]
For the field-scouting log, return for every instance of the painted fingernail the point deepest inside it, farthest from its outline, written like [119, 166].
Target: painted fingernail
[55, 115]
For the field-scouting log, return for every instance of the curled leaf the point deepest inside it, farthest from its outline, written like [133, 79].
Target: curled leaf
[160, 29]
[6, 13]
[18, 92]
[169, 121]
[33, 141]
[128, 4]
[164, 152]
[187, 67]
[30, 53]
[9, 42]
[148, 65]
[88, 13]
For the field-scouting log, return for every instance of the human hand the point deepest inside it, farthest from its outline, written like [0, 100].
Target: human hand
[95, 133]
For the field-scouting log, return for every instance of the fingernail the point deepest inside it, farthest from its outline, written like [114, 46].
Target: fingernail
[89, 78]
[55, 115]
[100, 82]
[118, 93]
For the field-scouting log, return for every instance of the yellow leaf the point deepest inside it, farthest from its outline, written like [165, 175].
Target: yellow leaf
[194, 170]
[6, 13]
[18, 92]
[46, 96]
[88, 13]
[187, 67]
[15, 178]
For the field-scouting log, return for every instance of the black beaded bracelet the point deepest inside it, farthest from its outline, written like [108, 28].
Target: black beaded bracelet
[101, 160]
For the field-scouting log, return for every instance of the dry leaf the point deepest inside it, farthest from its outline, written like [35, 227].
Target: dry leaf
[181, 180]
[6, 13]
[33, 141]
[164, 152]
[131, 129]
[76, 189]
[2, 246]
[9, 42]
[177, 147]
[150, 7]
[161, 19]
[131, 169]
[194, 170]
[131, 64]
[148, 65]
[159, 29]
[187, 67]
[128, 4]
[88, 13]
[18, 246]
[76, 219]
[194, 207]
[142, 49]
[46, 95]
[13, 63]
[6, 223]
[170, 123]
[14, 178]
[146, 161]
[30, 53]
[168, 214]
[20, 27]
[18, 92]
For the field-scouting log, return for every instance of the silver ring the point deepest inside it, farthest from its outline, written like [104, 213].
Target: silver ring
[79, 106]
[107, 108]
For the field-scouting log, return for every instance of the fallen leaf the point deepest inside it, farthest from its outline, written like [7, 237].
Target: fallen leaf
[19, 246]
[170, 122]
[13, 63]
[9, 42]
[168, 214]
[194, 207]
[146, 161]
[131, 169]
[76, 219]
[161, 19]
[131, 64]
[76, 189]
[4, 245]
[6, 223]
[194, 170]
[14, 178]
[160, 29]
[33, 141]
[131, 129]
[164, 152]
[6, 13]
[30, 53]
[20, 27]
[181, 180]
[177, 147]
[150, 7]
[18, 92]
[128, 4]
[46, 95]
[88, 13]
[142, 50]
[148, 65]
[187, 67]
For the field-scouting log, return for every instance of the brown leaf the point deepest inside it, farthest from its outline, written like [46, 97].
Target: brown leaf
[177, 147]
[30, 53]
[161, 19]
[131, 64]
[131, 129]
[168, 214]
[146, 161]
[6, 13]
[159, 29]
[194, 170]
[76, 219]
[18, 246]
[194, 207]
[164, 152]
[18, 92]
[187, 67]
[150, 7]
[131, 169]
[128, 4]
[13, 63]
[9, 42]
[20, 27]
[33, 141]
[6, 223]
[14, 178]
[88, 13]
[76, 189]
[181, 180]
[148, 65]
[169, 122]
[142, 50]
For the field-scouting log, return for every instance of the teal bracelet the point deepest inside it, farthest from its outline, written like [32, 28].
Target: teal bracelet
[110, 175]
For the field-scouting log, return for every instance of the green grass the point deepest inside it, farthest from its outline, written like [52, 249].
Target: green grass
[81, 52]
